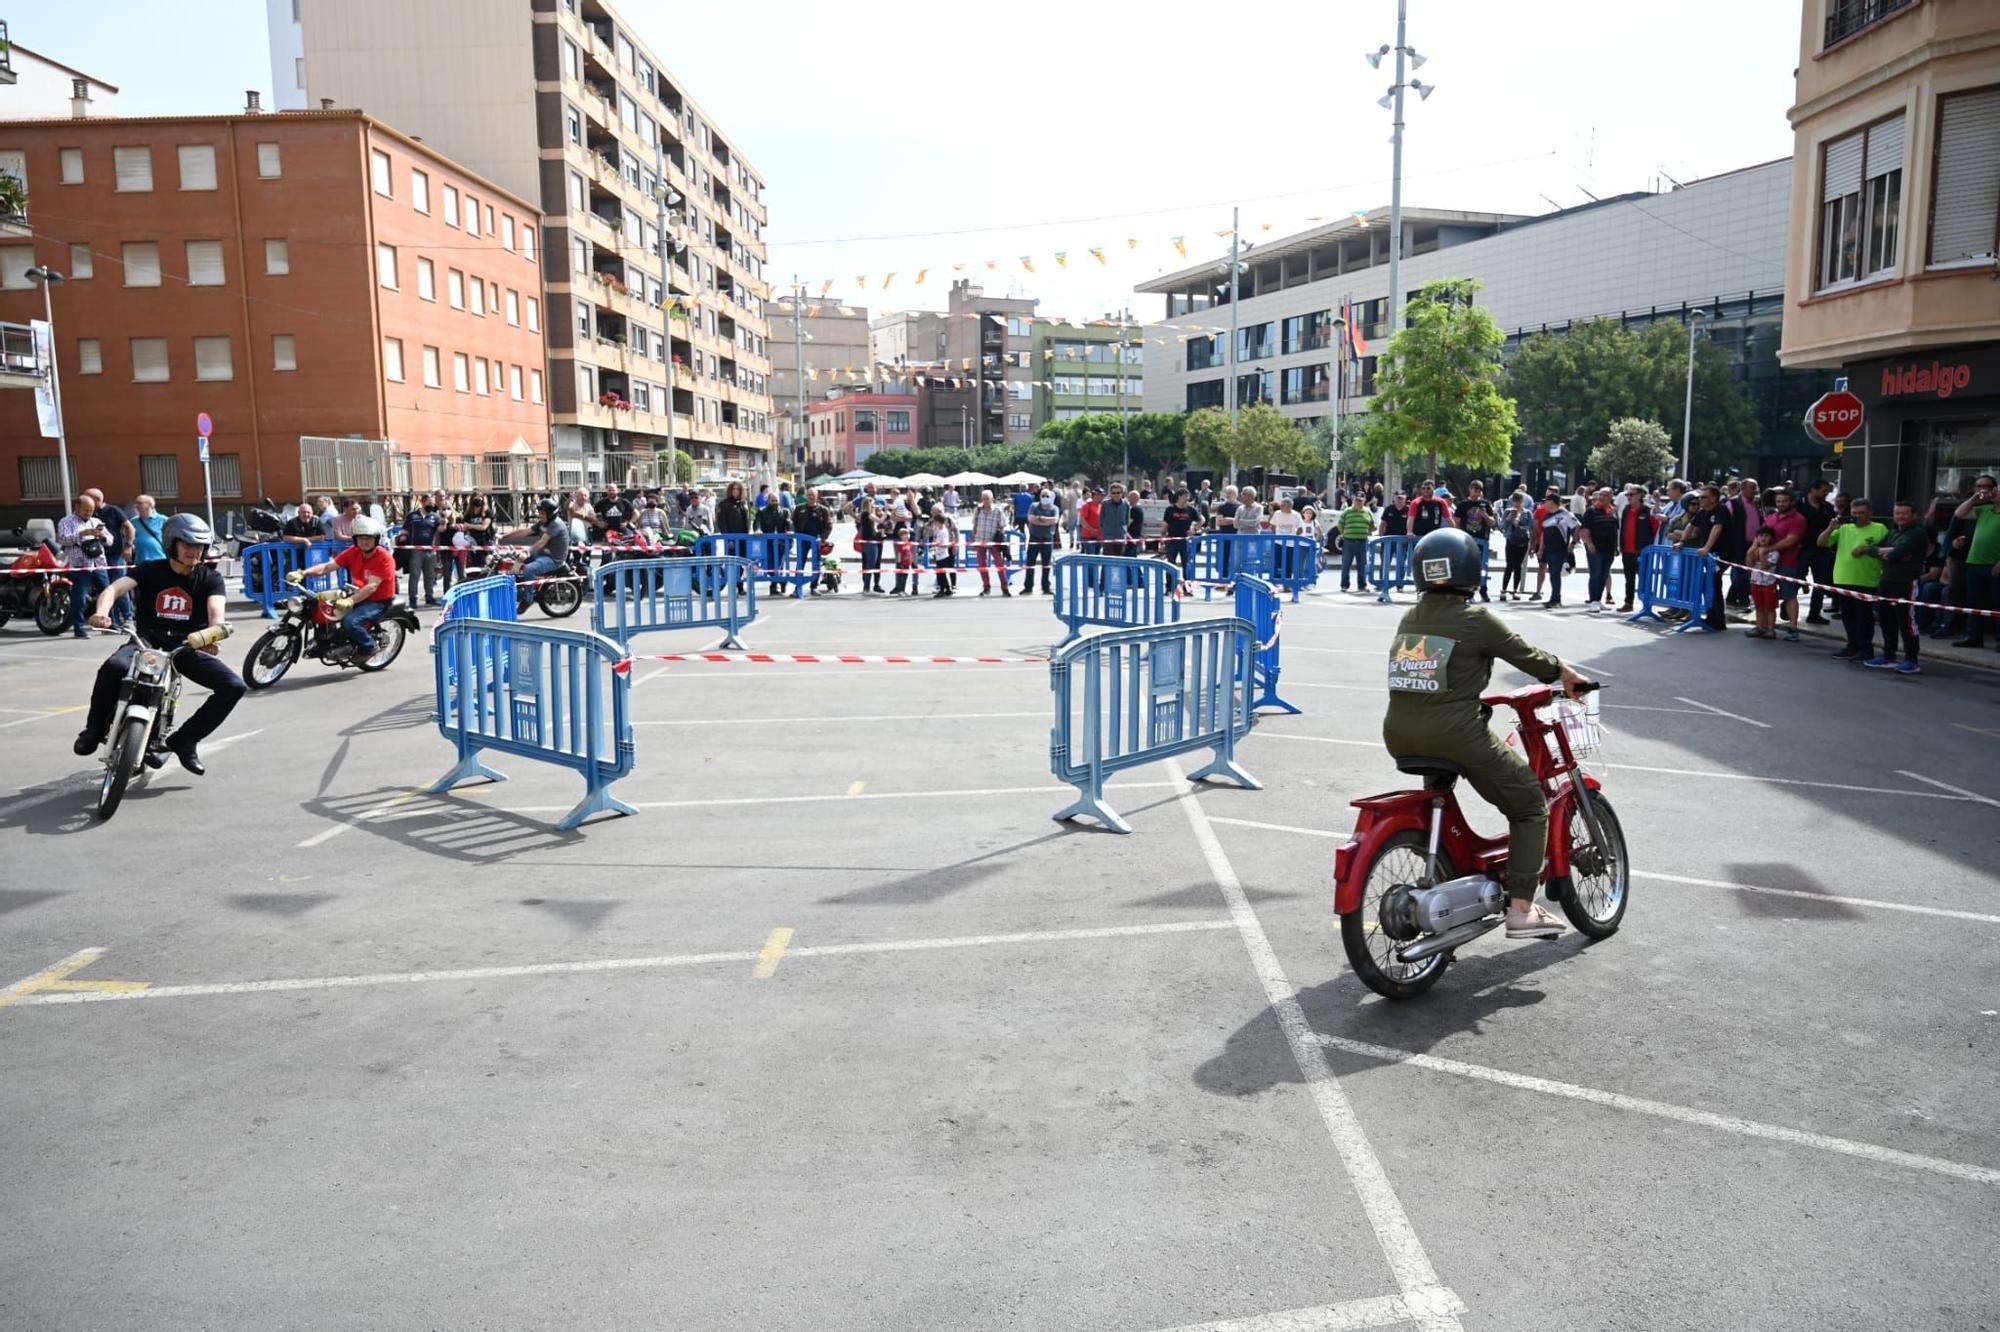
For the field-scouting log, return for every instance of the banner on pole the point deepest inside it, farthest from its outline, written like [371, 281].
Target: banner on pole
[46, 409]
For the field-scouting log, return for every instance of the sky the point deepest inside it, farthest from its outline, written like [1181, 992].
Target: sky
[892, 140]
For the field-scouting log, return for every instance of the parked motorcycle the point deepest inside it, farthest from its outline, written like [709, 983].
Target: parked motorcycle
[146, 699]
[37, 585]
[558, 595]
[309, 626]
[1414, 883]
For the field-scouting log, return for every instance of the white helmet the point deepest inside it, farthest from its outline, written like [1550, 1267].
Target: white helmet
[366, 526]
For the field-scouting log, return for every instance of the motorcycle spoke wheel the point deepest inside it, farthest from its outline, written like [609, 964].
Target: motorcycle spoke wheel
[389, 637]
[270, 657]
[128, 751]
[1600, 874]
[1370, 948]
[560, 599]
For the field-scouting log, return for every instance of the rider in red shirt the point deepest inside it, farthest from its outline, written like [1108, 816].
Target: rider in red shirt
[371, 590]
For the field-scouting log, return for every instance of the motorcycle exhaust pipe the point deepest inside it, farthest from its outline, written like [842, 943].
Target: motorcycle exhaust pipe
[1451, 938]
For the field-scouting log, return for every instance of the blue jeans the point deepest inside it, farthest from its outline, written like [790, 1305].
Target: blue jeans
[1354, 556]
[84, 587]
[356, 622]
[1600, 574]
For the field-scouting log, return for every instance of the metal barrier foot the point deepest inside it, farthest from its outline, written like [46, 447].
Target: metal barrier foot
[466, 769]
[1273, 701]
[733, 643]
[598, 801]
[1225, 765]
[1090, 806]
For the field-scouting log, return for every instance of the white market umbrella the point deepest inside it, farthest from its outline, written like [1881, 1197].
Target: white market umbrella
[1021, 479]
[921, 480]
[858, 474]
[971, 479]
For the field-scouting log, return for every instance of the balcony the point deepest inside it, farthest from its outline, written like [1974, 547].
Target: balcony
[6, 55]
[17, 357]
[1848, 17]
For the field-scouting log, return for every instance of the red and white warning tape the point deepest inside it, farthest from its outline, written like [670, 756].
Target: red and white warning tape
[1833, 591]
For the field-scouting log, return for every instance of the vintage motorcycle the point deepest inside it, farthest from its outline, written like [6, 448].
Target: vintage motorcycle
[1414, 883]
[146, 699]
[309, 626]
[37, 585]
[558, 594]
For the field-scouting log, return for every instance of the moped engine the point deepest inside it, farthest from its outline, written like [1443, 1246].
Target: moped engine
[1435, 910]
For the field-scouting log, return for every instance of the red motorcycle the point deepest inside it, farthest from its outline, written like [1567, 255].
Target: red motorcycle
[37, 585]
[1414, 883]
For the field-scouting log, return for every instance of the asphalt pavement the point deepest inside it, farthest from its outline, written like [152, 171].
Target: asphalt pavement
[841, 1031]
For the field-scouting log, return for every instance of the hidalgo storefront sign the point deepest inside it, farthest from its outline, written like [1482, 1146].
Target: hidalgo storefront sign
[1938, 375]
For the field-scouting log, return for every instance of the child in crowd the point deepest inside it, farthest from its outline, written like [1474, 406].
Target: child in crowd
[1763, 561]
[906, 555]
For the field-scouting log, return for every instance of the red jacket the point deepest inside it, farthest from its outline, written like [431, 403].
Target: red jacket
[1636, 528]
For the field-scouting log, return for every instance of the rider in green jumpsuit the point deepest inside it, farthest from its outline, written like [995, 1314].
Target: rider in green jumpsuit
[1439, 665]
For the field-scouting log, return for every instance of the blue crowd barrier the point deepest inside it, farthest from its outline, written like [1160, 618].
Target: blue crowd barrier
[266, 564]
[552, 695]
[790, 558]
[1388, 563]
[1671, 578]
[1289, 561]
[496, 597]
[639, 596]
[1257, 606]
[1114, 590]
[1130, 697]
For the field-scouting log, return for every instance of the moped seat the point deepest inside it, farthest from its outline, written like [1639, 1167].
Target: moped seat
[1419, 766]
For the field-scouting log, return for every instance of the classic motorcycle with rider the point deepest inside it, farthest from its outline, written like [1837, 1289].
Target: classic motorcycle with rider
[359, 625]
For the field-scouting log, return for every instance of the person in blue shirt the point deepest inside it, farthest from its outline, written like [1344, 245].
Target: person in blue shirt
[785, 495]
[147, 526]
[1022, 503]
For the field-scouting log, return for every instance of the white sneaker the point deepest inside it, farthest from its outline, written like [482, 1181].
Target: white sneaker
[1534, 923]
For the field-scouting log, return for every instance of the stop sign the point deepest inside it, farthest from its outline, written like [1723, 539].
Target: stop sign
[1836, 416]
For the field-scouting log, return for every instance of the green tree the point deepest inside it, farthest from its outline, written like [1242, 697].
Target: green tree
[1265, 437]
[1633, 450]
[1097, 445]
[1572, 386]
[1437, 393]
[1206, 439]
[677, 468]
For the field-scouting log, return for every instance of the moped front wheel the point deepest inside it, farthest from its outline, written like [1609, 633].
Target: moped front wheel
[559, 599]
[1600, 872]
[52, 610]
[128, 751]
[1371, 948]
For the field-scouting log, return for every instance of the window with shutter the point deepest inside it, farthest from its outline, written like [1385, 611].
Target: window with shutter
[534, 386]
[461, 372]
[471, 216]
[212, 359]
[1965, 204]
[454, 287]
[507, 233]
[80, 265]
[72, 165]
[132, 169]
[392, 359]
[528, 244]
[197, 166]
[385, 264]
[514, 308]
[89, 356]
[142, 263]
[426, 279]
[534, 315]
[270, 161]
[378, 164]
[225, 475]
[420, 191]
[284, 352]
[149, 360]
[277, 256]
[479, 379]
[450, 206]
[514, 381]
[1861, 198]
[433, 368]
[204, 263]
[160, 475]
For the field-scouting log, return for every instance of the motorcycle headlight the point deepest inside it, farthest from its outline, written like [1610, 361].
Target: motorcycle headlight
[149, 666]
[295, 605]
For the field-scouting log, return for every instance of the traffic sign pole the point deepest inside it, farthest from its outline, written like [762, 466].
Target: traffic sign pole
[207, 486]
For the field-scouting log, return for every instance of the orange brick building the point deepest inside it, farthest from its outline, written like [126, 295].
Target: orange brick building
[306, 276]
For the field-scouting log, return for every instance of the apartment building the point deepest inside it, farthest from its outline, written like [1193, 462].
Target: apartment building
[1715, 245]
[988, 338]
[33, 84]
[846, 430]
[325, 287]
[809, 338]
[1086, 369]
[1895, 222]
[653, 220]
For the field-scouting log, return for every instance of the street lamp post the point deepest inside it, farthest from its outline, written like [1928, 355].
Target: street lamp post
[1334, 391]
[48, 277]
[1406, 58]
[1235, 268]
[1687, 411]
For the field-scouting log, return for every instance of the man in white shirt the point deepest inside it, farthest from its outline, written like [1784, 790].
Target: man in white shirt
[1249, 513]
[1286, 521]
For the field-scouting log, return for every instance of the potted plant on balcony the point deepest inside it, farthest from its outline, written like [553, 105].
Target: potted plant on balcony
[13, 196]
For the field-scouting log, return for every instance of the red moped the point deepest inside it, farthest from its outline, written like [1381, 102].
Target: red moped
[1414, 882]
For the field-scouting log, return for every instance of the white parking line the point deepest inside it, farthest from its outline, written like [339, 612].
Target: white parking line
[1958, 791]
[1432, 1307]
[325, 835]
[845, 717]
[1733, 716]
[617, 963]
[1382, 1311]
[1784, 781]
[1748, 1128]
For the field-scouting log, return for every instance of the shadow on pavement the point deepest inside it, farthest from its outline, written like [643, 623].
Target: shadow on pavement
[68, 804]
[443, 825]
[583, 914]
[290, 905]
[1782, 874]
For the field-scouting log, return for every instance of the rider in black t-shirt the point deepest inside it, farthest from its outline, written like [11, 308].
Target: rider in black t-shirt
[172, 598]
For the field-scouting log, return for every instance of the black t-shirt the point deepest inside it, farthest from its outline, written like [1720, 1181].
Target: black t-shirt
[114, 520]
[614, 514]
[1395, 522]
[1602, 525]
[1225, 514]
[1817, 518]
[1700, 522]
[304, 523]
[1426, 516]
[1178, 520]
[169, 606]
[1475, 516]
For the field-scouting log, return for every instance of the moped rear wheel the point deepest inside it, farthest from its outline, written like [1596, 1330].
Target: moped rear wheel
[1371, 951]
[128, 750]
[1600, 873]
[388, 642]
